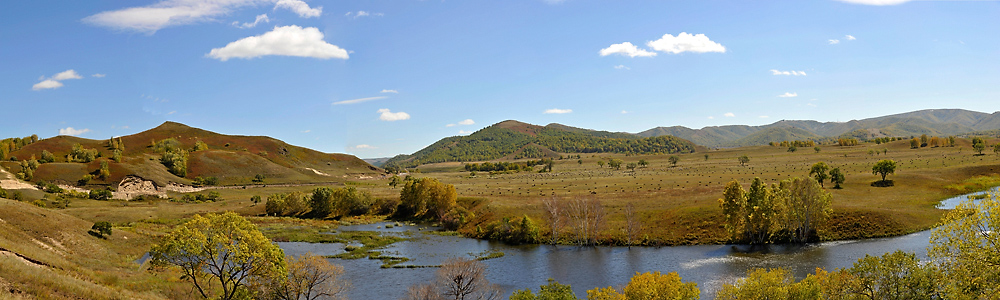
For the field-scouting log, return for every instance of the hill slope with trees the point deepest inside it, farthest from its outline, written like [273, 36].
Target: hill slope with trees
[517, 140]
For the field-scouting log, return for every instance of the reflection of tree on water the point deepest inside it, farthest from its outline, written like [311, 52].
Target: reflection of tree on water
[799, 259]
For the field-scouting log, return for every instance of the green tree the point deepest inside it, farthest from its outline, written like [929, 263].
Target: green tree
[225, 249]
[706, 157]
[674, 159]
[615, 163]
[394, 181]
[600, 163]
[47, 156]
[896, 275]
[792, 148]
[884, 167]
[979, 146]
[733, 203]
[914, 143]
[923, 140]
[951, 141]
[967, 246]
[199, 146]
[551, 291]
[631, 166]
[996, 149]
[803, 206]
[743, 159]
[837, 177]
[643, 163]
[255, 199]
[101, 229]
[818, 171]
[817, 149]
[105, 171]
[322, 202]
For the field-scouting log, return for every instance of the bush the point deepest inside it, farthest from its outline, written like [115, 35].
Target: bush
[211, 180]
[100, 229]
[101, 194]
[84, 180]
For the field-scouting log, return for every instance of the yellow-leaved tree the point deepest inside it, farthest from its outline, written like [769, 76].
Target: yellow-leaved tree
[967, 247]
[649, 286]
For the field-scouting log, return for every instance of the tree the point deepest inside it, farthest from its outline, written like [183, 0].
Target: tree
[951, 141]
[817, 149]
[47, 157]
[914, 143]
[554, 211]
[458, 279]
[105, 171]
[643, 163]
[321, 202]
[199, 146]
[837, 177]
[770, 284]
[551, 291]
[733, 202]
[673, 159]
[631, 166]
[615, 164]
[792, 148]
[759, 213]
[587, 217]
[312, 277]
[996, 149]
[968, 248]
[818, 171]
[600, 163]
[255, 199]
[923, 140]
[427, 197]
[896, 275]
[101, 229]
[706, 157]
[652, 286]
[633, 226]
[259, 178]
[884, 167]
[743, 159]
[979, 146]
[224, 248]
[804, 205]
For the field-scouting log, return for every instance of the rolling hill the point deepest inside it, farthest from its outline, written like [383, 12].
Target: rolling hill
[517, 140]
[232, 159]
[935, 122]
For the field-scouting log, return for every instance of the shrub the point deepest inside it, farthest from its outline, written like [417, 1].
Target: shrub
[100, 194]
[100, 229]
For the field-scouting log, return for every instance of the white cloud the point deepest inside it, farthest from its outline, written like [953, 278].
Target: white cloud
[386, 115]
[626, 49]
[99, 75]
[167, 13]
[729, 114]
[172, 112]
[362, 13]
[299, 7]
[686, 42]
[711, 117]
[788, 95]
[359, 100]
[55, 81]
[286, 40]
[624, 112]
[390, 91]
[68, 74]
[47, 84]
[450, 125]
[306, 131]
[464, 132]
[365, 146]
[792, 73]
[622, 67]
[71, 131]
[467, 122]
[260, 19]
[876, 2]
[557, 111]
[834, 42]
[850, 37]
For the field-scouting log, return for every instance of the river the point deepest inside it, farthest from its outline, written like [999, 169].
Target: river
[585, 268]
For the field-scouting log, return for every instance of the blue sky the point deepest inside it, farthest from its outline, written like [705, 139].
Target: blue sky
[380, 78]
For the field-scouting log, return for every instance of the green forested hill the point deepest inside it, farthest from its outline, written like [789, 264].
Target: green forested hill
[528, 141]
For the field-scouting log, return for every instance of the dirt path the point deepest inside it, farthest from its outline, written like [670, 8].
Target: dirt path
[9, 182]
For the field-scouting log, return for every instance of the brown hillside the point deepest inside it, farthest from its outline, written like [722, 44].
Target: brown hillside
[516, 126]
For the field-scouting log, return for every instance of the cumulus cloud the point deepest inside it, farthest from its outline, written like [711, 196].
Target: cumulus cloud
[389, 91]
[285, 40]
[626, 49]
[792, 73]
[47, 84]
[359, 100]
[365, 146]
[622, 67]
[386, 115]
[557, 111]
[624, 112]
[686, 42]
[55, 81]
[876, 2]
[98, 75]
[464, 132]
[834, 42]
[729, 114]
[260, 19]
[788, 95]
[299, 7]
[850, 37]
[72, 131]
[467, 122]
[168, 13]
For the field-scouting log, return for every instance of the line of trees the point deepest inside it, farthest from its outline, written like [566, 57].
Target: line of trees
[788, 211]
[585, 218]
[9, 145]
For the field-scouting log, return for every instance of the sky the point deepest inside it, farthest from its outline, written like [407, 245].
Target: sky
[381, 78]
